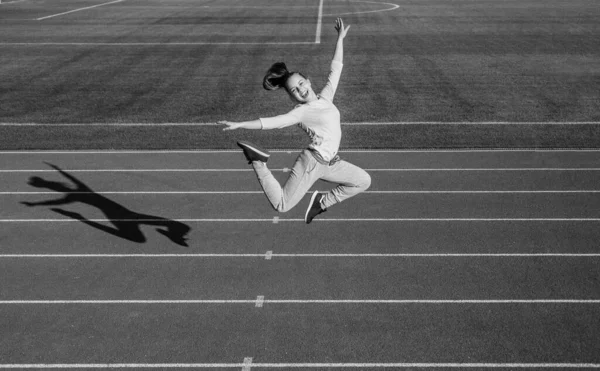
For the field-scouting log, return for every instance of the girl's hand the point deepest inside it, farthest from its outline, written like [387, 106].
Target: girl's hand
[339, 27]
[229, 125]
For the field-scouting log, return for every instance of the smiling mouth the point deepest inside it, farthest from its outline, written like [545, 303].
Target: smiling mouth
[304, 95]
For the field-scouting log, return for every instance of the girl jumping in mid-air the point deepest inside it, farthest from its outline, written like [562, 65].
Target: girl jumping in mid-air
[320, 119]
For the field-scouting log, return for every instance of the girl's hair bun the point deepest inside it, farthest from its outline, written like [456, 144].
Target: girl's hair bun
[276, 76]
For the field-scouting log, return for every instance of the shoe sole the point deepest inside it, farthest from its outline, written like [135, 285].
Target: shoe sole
[251, 147]
[312, 200]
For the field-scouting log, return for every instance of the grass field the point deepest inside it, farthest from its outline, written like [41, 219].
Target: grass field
[198, 61]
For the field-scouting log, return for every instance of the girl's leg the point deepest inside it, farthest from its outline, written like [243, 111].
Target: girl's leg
[304, 174]
[351, 181]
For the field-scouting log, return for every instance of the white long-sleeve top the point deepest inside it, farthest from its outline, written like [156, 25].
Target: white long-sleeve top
[320, 119]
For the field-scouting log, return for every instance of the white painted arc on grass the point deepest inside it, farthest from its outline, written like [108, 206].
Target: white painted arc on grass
[77, 10]
[296, 365]
[394, 7]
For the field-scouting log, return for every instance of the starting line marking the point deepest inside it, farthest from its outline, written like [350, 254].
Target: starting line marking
[248, 365]
[260, 300]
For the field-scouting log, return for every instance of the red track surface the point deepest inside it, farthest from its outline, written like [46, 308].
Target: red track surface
[419, 332]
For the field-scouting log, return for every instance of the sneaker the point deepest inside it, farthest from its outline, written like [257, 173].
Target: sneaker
[314, 207]
[254, 152]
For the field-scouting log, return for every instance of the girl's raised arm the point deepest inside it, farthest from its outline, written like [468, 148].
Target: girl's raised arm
[337, 63]
[338, 55]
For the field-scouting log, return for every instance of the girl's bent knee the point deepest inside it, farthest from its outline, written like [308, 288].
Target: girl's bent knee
[365, 182]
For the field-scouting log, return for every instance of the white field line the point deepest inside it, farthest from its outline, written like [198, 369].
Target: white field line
[394, 6]
[319, 23]
[77, 10]
[3, 2]
[270, 7]
[399, 123]
[343, 255]
[468, 123]
[261, 192]
[149, 44]
[313, 366]
[284, 169]
[310, 301]
[270, 220]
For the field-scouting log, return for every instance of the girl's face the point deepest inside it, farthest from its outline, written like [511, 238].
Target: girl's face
[300, 89]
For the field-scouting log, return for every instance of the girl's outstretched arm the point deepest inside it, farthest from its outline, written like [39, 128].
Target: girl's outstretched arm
[338, 55]
[254, 124]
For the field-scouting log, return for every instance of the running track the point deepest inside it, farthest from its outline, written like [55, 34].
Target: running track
[452, 259]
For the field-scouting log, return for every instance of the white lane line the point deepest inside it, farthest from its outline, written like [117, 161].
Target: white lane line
[394, 6]
[454, 220]
[310, 301]
[306, 365]
[296, 365]
[270, 255]
[319, 23]
[77, 10]
[481, 192]
[126, 170]
[387, 123]
[270, 220]
[136, 220]
[133, 193]
[276, 219]
[494, 169]
[283, 169]
[294, 151]
[469, 123]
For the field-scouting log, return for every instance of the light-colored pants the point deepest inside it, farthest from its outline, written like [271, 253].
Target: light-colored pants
[350, 180]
